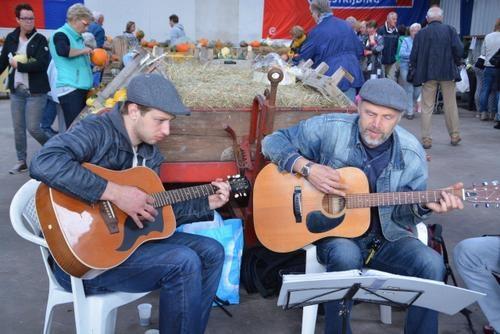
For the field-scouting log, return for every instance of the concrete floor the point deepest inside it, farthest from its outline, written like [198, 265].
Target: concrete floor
[24, 285]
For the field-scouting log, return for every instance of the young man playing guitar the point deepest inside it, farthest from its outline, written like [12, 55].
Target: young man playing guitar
[393, 160]
[185, 267]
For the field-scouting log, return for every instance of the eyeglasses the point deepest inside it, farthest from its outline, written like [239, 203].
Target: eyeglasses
[27, 19]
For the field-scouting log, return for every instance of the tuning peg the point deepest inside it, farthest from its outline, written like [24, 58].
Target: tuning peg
[486, 205]
[494, 182]
[244, 194]
[476, 205]
[498, 205]
[236, 195]
[485, 183]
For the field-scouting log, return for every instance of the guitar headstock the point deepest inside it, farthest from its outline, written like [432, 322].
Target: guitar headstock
[488, 193]
[240, 188]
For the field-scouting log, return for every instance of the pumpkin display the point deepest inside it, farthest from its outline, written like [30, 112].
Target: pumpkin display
[219, 44]
[182, 47]
[203, 42]
[120, 95]
[254, 44]
[99, 57]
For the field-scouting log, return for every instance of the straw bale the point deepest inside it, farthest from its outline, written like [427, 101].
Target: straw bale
[223, 86]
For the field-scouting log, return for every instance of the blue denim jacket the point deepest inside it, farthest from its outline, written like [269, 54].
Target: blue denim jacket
[333, 140]
[103, 141]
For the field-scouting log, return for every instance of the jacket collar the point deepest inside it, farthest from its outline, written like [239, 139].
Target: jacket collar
[144, 150]
[396, 161]
[17, 33]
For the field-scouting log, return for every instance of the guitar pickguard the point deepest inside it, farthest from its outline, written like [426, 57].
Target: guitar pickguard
[132, 232]
[317, 222]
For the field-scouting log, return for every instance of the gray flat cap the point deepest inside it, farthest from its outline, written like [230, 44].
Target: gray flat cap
[384, 92]
[154, 91]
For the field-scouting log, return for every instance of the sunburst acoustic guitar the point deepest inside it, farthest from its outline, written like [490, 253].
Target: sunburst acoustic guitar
[82, 236]
[289, 212]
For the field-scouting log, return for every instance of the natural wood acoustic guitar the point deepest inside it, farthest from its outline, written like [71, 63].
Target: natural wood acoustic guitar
[84, 236]
[289, 212]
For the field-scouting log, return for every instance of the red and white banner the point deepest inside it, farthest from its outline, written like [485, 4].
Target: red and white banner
[281, 15]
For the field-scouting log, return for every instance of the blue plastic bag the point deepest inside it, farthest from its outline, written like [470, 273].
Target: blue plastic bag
[230, 234]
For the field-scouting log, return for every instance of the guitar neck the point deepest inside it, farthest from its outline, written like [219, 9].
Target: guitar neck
[170, 197]
[396, 198]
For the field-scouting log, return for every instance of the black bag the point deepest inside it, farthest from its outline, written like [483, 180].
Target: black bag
[495, 60]
[479, 63]
[262, 269]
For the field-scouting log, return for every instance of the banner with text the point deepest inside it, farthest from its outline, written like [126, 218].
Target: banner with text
[281, 15]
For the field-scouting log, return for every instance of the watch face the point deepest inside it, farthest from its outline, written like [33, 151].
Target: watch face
[305, 171]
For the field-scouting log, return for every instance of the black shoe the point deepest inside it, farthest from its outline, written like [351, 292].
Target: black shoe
[19, 167]
[410, 117]
[497, 126]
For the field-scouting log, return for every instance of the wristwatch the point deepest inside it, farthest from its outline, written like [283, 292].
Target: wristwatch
[306, 169]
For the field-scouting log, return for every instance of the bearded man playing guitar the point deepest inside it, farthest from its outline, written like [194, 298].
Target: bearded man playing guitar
[393, 160]
[185, 267]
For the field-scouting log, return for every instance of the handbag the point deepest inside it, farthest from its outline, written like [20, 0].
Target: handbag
[479, 63]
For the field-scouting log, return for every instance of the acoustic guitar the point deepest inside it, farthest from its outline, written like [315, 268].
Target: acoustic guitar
[289, 212]
[84, 236]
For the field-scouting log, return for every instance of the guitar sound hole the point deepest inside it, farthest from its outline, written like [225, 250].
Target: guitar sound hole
[333, 204]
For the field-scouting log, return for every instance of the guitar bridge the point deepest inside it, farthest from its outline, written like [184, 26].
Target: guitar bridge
[109, 217]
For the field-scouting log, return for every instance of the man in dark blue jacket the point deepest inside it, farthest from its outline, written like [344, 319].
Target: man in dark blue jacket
[185, 267]
[436, 53]
[96, 29]
[334, 42]
[391, 35]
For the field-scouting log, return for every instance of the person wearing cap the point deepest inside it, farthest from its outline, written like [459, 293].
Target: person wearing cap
[393, 160]
[186, 268]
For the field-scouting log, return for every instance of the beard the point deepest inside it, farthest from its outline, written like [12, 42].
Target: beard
[370, 142]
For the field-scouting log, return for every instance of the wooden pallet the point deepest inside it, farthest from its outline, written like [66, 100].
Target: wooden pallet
[326, 85]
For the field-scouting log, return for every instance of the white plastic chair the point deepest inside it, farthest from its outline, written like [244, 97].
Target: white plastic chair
[94, 314]
[309, 313]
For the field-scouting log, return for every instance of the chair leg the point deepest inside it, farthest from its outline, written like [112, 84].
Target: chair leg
[309, 314]
[385, 314]
[49, 311]
[111, 321]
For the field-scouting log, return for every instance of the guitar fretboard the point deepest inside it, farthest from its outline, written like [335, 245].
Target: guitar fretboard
[170, 197]
[354, 201]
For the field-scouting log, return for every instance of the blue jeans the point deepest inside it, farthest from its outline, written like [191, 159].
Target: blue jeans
[407, 256]
[26, 110]
[185, 267]
[475, 260]
[412, 92]
[489, 78]
[49, 114]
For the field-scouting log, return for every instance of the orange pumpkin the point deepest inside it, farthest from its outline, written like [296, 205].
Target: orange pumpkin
[99, 57]
[182, 47]
[254, 44]
[219, 44]
[203, 42]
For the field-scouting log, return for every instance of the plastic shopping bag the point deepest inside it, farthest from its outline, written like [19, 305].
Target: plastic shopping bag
[229, 233]
[463, 85]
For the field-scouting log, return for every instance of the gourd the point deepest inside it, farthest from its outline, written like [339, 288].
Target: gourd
[99, 57]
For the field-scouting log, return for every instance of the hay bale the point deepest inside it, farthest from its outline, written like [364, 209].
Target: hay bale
[223, 86]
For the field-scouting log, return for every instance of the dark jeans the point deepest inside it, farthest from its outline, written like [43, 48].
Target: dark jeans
[489, 79]
[26, 110]
[185, 267]
[407, 256]
[49, 114]
[72, 104]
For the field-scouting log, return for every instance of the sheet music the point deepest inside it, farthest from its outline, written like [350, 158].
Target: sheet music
[320, 287]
